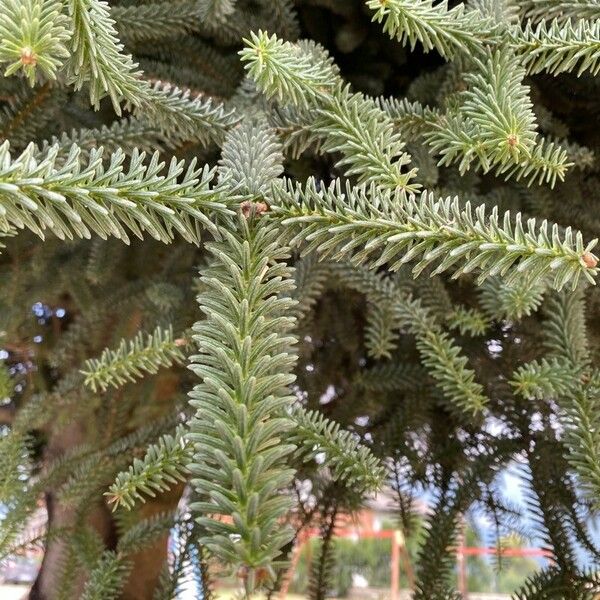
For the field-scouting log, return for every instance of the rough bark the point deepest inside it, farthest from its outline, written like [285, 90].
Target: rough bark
[61, 516]
[147, 565]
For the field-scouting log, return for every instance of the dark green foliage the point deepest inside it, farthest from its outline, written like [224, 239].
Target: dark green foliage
[321, 573]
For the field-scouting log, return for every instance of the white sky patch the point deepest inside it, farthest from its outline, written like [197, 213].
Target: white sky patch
[494, 347]
[328, 396]
[512, 485]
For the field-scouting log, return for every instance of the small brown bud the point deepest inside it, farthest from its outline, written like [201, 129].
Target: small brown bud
[262, 575]
[512, 140]
[261, 208]
[257, 208]
[259, 575]
[246, 208]
[180, 342]
[589, 260]
[28, 56]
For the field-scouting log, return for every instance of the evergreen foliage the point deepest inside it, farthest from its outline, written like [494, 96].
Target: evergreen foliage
[33, 37]
[163, 465]
[395, 232]
[129, 361]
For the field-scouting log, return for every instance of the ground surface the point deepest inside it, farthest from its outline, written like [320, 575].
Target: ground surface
[13, 592]
[19, 592]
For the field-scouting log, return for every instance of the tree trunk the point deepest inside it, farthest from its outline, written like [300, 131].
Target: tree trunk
[60, 516]
[99, 517]
[147, 564]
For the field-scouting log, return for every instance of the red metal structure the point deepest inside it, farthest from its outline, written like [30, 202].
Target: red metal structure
[400, 555]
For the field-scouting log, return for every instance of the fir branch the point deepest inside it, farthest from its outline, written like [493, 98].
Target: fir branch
[244, 19]
[156, 20]
[197, 64]
[89, 546]
[182, 117]
[97, 60]
[443, 360]
[283, 71]
[544, 379]
[244, 363]
[180, 573]
[90, 477]
[18, 498]
[468, 321]
[164, 465]
[448, 31]
[439, 354]
[35, 540]
[7, 387]
[409, 117]
[550, 582]
[286, 19]
[74, 199]
[436, 559]
[351, 462]
[513, 301]
[251, 159]
[547, 478]
[565, 331]
[582, 438]
[558, 47]
[381, 329]
[322, 568]
[215, 11]
[457, 137]
[97, 57]
[456, 140]
[436, 556]
[310, 278]
[13, 462]
[554, 48]
[146, 531]
[567, 341]
[561, 10]
[47, 405]
[546, 163]
[107, 577]
[378, 158]
[133, 359]
[246, 435]
[27, 114]
[293, 125]
[390, 229]
[125, 135]
[498, 104]
[305, 77]
[388, 376]
[33, 37]
[91, 473]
